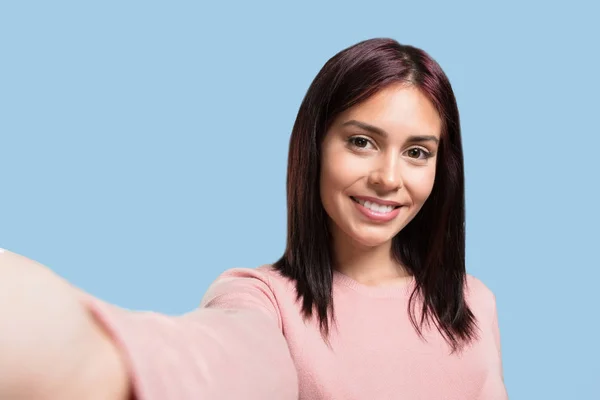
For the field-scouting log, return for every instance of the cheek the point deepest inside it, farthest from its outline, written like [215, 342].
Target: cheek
[339, 171]
[328, 181]
[420, 184]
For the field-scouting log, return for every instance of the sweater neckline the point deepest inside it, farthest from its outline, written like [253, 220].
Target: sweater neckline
[399, 289]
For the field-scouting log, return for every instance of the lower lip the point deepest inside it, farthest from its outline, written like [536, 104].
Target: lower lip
[375, 216]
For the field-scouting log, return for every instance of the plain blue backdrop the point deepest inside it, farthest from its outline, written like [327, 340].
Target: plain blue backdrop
[144, 144]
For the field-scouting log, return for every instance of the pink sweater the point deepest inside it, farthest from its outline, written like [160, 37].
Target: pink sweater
[247, 340]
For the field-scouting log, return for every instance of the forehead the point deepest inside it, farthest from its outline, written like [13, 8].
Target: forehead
[397, 109]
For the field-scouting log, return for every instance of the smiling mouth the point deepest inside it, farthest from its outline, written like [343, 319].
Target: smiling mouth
[373, 206]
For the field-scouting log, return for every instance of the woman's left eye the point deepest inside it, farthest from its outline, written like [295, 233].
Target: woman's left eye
[415, 152]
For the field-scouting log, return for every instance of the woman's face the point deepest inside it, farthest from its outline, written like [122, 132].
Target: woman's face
[378, 164]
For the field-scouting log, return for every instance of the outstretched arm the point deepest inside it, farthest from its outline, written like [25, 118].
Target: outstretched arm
[69, 345]
[50, 345]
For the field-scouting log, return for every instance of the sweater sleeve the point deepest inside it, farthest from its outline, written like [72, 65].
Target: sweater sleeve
[494, 387]
[231, 347]
[496, 334]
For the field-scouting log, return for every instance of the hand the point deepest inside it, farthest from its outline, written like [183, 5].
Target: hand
[50, 346]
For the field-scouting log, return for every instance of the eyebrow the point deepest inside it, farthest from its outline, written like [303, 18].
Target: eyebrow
[378, 131]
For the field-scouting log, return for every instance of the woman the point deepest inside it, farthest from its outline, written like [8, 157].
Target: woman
[369, 301]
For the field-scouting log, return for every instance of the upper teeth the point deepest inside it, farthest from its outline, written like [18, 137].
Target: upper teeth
[380, 208]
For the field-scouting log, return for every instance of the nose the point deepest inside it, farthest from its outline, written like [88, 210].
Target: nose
[386, 176]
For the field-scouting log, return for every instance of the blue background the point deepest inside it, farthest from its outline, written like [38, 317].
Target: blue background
[144, 144]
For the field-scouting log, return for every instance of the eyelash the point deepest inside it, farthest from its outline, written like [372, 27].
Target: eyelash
[352, 142]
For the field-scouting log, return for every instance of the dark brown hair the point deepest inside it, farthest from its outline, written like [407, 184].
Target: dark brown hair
[432, 245]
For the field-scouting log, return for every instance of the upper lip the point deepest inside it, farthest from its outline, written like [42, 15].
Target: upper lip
[378, 201]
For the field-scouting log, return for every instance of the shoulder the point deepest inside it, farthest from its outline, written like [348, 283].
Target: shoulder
[480, 299]
[264, 277]
[475, 287]
[261, 288]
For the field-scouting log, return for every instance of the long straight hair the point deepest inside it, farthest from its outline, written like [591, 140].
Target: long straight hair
[432, 245]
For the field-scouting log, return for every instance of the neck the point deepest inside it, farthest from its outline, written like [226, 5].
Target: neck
[369, 265]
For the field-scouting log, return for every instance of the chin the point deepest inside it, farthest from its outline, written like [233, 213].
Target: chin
[372, 239]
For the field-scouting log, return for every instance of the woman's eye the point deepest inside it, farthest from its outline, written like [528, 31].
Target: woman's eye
[415, 152]
[360, 142]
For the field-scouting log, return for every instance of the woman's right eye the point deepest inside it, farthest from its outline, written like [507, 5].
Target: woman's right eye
[359, 142]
